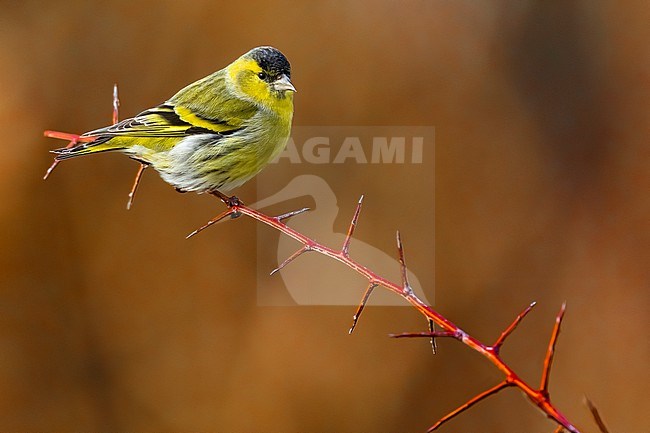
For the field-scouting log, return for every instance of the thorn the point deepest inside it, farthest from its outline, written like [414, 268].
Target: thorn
[70, 137]
[67, 136]
[497, 345]
[136, 182]
[432, 330]
[469, 404]
[406, 287]
[441, 334]
[51, 169]
[548, 361]
[594, 412]
[291, 258]
[116, 105]
[287, 215]
[362, 304]
[353, 225]
[231, 211]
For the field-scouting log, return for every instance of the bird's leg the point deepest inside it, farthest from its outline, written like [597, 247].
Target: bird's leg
[136, 182]
[230, 201]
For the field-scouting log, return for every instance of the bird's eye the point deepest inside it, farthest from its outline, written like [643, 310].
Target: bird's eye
[263, 75]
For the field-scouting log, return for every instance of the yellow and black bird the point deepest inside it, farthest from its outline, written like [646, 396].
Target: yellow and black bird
[213, 135]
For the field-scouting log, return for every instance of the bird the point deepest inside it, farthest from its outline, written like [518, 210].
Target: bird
[211, 136]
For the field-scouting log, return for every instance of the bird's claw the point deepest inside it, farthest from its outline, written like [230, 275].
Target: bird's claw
[230, 201]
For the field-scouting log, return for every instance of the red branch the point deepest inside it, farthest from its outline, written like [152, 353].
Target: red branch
[548, 361]
[75, 139]
[502, 338]
[469, 404]
[538, 396]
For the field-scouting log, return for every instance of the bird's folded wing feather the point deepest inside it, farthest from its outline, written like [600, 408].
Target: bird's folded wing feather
[202, 107]
[166, 121]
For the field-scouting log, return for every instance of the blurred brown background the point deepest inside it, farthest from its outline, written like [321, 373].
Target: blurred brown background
[111, 321]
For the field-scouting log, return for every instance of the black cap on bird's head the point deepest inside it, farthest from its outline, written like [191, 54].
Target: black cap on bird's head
[271, 60]
[276, 69]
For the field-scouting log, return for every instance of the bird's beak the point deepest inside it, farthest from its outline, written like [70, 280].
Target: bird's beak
[284, 84]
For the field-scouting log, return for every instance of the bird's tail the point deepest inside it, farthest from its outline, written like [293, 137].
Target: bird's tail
[101, 144]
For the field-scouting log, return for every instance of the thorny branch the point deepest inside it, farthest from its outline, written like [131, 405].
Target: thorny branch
[538, 396]
[74, 139]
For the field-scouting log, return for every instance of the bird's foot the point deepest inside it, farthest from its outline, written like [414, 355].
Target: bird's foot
[230, 201]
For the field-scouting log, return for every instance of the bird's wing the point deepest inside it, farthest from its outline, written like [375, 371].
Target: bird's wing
[161, 121]
[206, 106]
[212, 104]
